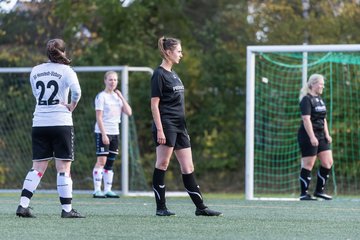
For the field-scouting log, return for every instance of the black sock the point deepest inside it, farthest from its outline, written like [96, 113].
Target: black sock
[193, 190]
[322, 176]
[305, 179]
[159, 188]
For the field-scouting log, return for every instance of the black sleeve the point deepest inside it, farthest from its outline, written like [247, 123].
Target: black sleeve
[156, 84]
[305, 106]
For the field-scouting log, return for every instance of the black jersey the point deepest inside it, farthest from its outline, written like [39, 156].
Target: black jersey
[169, 88]
[315, 107]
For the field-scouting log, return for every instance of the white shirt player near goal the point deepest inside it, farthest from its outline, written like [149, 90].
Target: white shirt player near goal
[109, 104]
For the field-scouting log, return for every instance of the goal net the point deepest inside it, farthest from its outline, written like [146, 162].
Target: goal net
[275, 75]
[16, 110]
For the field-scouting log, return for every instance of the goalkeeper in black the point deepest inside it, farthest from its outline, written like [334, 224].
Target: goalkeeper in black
[314, 138]
[169, 129]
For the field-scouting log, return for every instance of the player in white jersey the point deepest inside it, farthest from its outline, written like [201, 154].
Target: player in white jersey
[109, 104]
[52, 128]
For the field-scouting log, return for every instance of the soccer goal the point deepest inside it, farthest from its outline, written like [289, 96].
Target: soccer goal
[275, 75]
[16, 108]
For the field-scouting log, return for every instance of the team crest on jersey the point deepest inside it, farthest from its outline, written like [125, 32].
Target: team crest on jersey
[176, 77]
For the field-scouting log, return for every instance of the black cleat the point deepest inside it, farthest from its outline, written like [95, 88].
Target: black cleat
[307, 197]
[322, 195]
[164, 213]
[24, 212]
[207, 212]
[72, 214]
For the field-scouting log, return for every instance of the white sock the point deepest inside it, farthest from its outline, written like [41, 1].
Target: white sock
[108, 179]
[64, 187]
[97, 177]
[31, 182]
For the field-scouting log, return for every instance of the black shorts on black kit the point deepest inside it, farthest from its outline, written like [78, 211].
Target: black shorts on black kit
[178, 140]
[307, 149]
[104, 150]
[53, 142]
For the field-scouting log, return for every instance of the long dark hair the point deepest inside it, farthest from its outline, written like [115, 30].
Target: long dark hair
[55, 49]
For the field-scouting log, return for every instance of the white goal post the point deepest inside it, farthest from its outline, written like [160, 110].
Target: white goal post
[250, 94]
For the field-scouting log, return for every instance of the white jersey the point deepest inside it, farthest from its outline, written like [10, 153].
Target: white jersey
[51, 83]
[110, 104]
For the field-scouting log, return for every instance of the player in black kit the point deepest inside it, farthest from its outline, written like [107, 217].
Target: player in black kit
[169, 129]
[314, 138]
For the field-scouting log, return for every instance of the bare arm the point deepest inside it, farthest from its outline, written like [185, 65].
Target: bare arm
[157, 119]
[326, 130]
[309, 130]
[99, 120]
[126, 107]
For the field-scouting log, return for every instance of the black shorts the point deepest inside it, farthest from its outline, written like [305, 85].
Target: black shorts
[104, 150]
[307, 149]
[178, 140]
[53, 142]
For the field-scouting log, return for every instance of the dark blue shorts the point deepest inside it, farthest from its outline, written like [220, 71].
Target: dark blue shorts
[104, 150]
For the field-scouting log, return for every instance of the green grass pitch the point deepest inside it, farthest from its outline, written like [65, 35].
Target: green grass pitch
[134, 218]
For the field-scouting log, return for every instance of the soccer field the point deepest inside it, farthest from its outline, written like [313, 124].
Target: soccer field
[134, 218]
